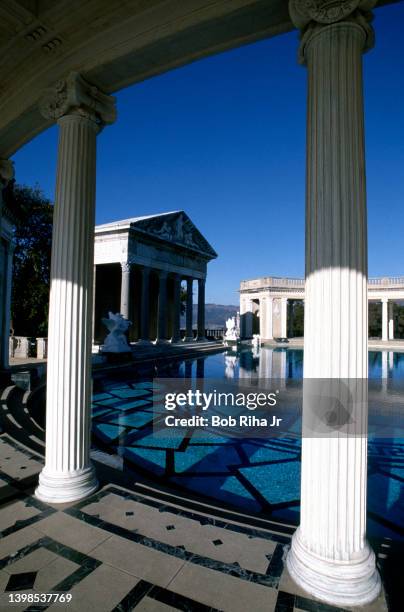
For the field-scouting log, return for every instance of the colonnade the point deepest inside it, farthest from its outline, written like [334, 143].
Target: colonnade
[284, 308]
[273, 317]
[168, 315]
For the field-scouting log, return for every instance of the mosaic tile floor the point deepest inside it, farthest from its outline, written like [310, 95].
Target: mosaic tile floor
[123, 550]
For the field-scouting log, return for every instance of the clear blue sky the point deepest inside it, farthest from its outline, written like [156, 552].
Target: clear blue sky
[224, 139]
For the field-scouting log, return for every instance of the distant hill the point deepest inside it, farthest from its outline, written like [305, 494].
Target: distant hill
[215, 315]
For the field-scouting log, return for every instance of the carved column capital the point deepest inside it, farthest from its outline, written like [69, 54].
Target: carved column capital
[76, 96]
[313, 16]
[125, 267]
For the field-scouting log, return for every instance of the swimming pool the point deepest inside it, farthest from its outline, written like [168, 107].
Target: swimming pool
[257, 475]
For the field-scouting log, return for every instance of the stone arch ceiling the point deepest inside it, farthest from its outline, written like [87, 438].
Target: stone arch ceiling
[114, 43]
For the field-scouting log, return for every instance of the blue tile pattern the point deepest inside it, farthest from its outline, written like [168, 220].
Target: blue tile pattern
[255, 475]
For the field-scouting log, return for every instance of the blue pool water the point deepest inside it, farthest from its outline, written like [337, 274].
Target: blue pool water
[257, 475]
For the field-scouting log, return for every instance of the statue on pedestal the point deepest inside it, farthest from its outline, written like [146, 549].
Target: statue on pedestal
[116, 341]
[232, 333]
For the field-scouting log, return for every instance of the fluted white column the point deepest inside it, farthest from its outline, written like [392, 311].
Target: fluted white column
[80, 110]
[176, 309]
[269, 334]
[330, 557]
[284, 317]
[145, 307]
[246, 316]
[385, 319]
[162, 309]
[125, 289]
[6, 175]
[391, 320]
[201, 310]
[189, 334]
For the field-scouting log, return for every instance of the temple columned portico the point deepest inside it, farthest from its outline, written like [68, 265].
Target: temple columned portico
[81, 111]
[330, 557]
[143, 262]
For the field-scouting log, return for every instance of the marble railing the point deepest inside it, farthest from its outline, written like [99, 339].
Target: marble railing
[272, 281]
[21, 347]
[385, 282]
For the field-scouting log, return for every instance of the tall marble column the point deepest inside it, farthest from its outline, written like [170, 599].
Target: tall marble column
[385, 319]
[125, 289]
[162, 308]
[6, 175]
[391, 320]
[93, 305]
[176, 309]
[284, 317]
[269, 318]
[330, 557]
[145, 307]
[201, 310]
[80, 110]
[246, 317]
[189, 334]
[291, 318]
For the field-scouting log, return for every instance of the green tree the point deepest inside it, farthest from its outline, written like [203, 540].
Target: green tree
[31, 271]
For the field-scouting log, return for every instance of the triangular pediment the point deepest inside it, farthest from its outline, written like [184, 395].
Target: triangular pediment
[177, 228]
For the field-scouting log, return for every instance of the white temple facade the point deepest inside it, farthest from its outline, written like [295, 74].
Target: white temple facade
[140, 265]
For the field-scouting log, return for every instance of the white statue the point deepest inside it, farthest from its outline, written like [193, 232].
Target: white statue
[116, 341]
[230, 363]
[232, 332]
[256, 343]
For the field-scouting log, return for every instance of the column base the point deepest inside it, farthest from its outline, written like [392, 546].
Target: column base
[161, 341]
[66, 487]
[188, 339]
[175, 340]
[342, 583]
[143, 342]
[201, 339]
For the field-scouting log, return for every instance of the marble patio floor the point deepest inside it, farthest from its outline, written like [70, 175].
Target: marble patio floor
[132, 549]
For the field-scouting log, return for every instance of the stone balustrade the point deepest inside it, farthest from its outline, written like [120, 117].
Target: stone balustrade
[23, 347]
[20, 347]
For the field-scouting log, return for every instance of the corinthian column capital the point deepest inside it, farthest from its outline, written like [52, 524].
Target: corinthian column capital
[313, 16]
[76, 96]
